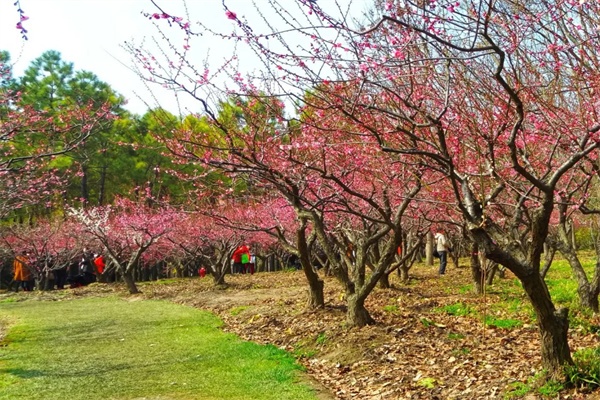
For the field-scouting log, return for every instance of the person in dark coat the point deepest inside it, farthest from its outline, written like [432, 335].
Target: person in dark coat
[85, 274]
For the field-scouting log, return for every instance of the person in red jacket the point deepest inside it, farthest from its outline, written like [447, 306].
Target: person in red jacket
[240, 256]
[100, 263]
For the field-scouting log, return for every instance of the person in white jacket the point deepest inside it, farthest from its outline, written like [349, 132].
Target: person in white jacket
[441, 245]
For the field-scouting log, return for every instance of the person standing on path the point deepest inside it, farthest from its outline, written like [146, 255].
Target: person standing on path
[441, 245]
[22, 275]
[99, 263]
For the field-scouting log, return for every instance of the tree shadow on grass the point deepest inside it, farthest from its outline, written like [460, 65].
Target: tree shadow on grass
[23, 373]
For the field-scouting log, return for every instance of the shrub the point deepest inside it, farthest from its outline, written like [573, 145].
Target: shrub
[586, 371]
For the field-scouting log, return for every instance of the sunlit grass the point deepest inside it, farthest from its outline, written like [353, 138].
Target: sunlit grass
[457, 309]
[106, 348]
[502, 323]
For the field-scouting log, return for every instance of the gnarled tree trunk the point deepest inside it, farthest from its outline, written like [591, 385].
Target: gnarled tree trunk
[476, 270]
[588, 294]
[316, 298]
[553, 325]
[357, 315]
[129, 281]
[384, 281]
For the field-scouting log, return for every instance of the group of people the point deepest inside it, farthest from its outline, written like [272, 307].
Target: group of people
[86, 269]
[242, 260]
[78, 273]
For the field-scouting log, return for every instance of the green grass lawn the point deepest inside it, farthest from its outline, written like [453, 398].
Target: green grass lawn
[109, 348]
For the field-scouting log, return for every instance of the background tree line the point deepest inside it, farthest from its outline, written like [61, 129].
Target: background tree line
[117, 156]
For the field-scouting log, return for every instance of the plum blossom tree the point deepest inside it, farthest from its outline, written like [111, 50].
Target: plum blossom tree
[200, 238]
[325, 180]
[499, 98]
[517, 143]
[126, 230]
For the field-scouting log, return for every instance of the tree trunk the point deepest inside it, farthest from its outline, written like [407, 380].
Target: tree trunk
[429, 249]
[553, 325]
[549, 252]
[130, 282]
[218, 274]
[455, 256]
[490, 273]
[573, 237]
[84, 185]
[102, 189]
[384, 281]
[357, 315]
[316, 298]
[588, 292]
[403, 272]
[587, 298]
[476, 271]
[219, 279]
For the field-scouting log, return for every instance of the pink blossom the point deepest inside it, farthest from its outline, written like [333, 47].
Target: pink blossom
[231, 14]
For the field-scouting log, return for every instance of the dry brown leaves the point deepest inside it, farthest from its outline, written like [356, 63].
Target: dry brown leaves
[413, 352]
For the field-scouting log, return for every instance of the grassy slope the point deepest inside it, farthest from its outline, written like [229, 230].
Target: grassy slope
[107, 348]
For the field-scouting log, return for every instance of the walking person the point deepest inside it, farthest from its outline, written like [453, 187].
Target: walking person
[22, 275]
[251, 264]
[246, 258]
[99, 263]
[60, 276]
[87, 268]
[441, 246]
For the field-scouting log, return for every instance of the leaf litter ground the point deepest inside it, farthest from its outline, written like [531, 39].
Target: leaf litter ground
[416, 350]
